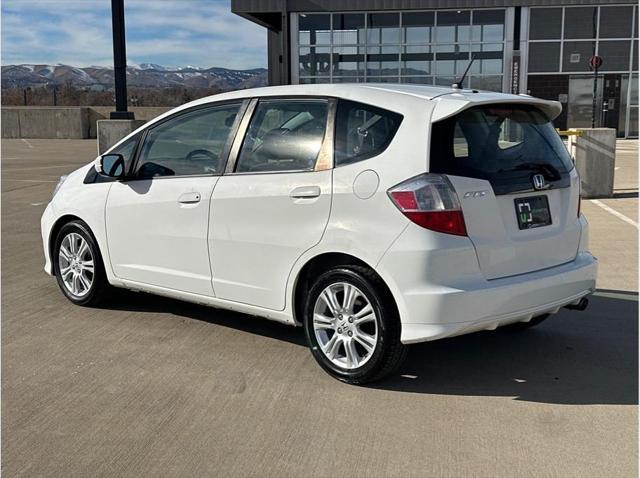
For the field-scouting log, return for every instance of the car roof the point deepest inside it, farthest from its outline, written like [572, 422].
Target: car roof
[446, 101]
[385, 95]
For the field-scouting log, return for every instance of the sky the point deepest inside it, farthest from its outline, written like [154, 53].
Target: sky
[201, 33]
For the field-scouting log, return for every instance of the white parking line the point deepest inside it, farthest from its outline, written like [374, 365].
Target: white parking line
[10, 170]
[32, 180]
[27, 143]
[615, 213]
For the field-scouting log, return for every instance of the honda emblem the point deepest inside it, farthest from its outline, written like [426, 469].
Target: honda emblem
[538, 182]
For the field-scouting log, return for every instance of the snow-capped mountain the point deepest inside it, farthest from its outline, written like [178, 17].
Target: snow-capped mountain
[143, 75]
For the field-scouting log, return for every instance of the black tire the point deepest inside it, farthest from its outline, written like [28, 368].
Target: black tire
[389, 352]
[527, 325]
[100, 288]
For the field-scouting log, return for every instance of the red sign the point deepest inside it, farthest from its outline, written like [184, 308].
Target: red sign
[595, 62]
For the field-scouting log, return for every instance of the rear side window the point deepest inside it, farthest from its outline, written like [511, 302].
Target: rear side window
[284, 135]
[362, 131]
[503, 144]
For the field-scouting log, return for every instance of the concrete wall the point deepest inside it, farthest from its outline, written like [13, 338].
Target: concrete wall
[62, 121]
[46, 122]
[595, 156]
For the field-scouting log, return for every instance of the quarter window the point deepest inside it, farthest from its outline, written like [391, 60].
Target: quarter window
[284, 135]
[190, 144]
[362, 131]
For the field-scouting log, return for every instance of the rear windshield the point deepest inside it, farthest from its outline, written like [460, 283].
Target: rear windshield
[504, 144]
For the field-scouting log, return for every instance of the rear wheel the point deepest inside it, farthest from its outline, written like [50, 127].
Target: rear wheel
[78, 265]
[352, 325]
[527, 325]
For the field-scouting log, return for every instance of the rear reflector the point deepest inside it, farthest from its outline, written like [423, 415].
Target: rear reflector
[430, 201]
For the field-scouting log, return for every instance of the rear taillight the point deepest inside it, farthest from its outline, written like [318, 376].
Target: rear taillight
[430, 201]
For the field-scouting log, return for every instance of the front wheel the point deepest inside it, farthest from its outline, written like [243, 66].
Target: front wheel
[352, 325]
[78, 265]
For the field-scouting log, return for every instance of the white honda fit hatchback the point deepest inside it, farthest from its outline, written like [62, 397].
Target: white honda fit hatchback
[374, 216]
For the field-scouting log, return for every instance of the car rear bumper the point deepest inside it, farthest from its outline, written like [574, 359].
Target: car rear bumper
[441, 293]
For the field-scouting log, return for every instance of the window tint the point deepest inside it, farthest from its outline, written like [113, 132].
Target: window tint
[191, 143]
[362, 131]
[127, 149]
[503, 144]
[284, 135]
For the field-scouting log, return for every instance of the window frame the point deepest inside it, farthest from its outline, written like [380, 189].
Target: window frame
[324, 160]
[243, 104]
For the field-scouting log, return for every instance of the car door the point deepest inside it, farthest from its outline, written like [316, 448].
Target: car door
[273, 202]
[157, 219]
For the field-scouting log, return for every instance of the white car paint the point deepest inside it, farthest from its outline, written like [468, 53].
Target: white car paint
[242, 245]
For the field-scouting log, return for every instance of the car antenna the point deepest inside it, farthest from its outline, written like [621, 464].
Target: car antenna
[458, 84]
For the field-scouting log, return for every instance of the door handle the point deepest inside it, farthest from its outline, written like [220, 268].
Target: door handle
[305, 192]
[189, 198]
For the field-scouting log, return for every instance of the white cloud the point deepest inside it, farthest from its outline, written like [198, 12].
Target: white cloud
[196, 32]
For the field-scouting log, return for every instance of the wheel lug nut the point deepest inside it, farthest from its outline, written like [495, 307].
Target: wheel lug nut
[350, 320]
[350, 334]
[339, 330]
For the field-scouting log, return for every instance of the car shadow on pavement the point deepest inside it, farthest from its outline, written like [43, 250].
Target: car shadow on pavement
[143, 302]
[588, 357]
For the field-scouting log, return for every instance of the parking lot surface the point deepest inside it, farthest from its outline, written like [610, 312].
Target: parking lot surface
[147, 386]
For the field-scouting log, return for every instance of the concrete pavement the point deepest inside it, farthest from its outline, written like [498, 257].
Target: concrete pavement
[154, 387]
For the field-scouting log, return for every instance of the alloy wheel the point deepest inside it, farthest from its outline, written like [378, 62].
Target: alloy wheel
[76, 264]
[345, 325]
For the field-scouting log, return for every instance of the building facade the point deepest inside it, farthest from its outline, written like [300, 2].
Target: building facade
[516, 46]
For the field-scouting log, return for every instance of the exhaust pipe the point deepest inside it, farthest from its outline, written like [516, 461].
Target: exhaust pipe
[580, 305]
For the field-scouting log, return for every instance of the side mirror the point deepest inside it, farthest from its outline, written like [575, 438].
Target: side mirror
[111, 165]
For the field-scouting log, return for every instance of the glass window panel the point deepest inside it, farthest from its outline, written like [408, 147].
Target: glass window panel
[314, 29]
[191, 143]
[422, 80]
[545, 24]
[383, 60]
[382, 79]
[307, 81]
[576, 54]
[615, 22]
[544, 57]
[383, 28]
[283, 136]
[487, 33]
[414, 62]
[578, 22]
[488, 25]
[633, 121]
[494, 48]
[348, 28]
[451, 67]
[346, 62]
[450, 80]
[314, 61]
[634, 65]
[348, 79]
[487, 82]
[417, 27]
[453, 26]
[634, 89]
[615, 55]
[489, 66]
[455, 48]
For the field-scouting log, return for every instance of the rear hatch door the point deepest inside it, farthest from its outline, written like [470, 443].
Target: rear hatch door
[517, 186]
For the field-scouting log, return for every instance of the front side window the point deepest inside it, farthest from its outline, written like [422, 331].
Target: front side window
[503, 144]
[362, 131]
[284, 135]
[192, 143]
